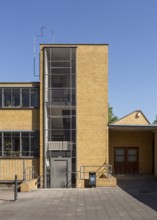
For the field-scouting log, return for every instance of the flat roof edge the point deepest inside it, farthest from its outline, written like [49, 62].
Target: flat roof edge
[77, 44]
[19, 82]
[118, 125]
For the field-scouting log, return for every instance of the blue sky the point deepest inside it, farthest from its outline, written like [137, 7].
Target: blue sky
[128, 26]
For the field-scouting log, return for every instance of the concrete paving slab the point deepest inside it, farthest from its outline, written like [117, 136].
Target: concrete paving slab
[133, 198]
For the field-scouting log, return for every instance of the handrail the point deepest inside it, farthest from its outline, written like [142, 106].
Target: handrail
[39, 180]
[31, 173]
[106, 169]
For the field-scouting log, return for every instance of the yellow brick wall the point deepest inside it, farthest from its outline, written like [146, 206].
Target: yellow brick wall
[24, 84]
[135, 118]
[142, 140]
[12, 119]
[19, 119]
[11, 167]
[92, 106]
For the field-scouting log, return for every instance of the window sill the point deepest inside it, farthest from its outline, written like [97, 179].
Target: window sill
[18, 157]
[18, 108]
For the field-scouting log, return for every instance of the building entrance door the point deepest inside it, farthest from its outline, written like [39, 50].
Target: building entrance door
[126, 160]
[60, 173]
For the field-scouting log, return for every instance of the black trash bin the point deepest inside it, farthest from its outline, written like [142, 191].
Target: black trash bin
[92, 179]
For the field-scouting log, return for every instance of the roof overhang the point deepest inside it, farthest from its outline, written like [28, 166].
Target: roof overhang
[150, 128]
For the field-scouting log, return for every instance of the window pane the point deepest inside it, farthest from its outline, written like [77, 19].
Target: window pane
[16, 144]
[25, 144]
[119, 151]
[132, 158]
[60, 71]
[7, 144]
[16, 97]
[66, 123]
[132, 151]
[62, 96]
[7, 97]
[60, 64]
[34, 144]
[62, 81]
[119, 158]
[25, 97]
[62, 54]
[74, 135]
[34, 97]
[59, 135]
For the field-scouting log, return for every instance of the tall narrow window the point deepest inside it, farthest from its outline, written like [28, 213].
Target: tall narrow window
[7, 97]
[34, 144]
[34, 97]
[16, 144]
[25, 144]
[25, 97]
[16, 97]
[7, 144]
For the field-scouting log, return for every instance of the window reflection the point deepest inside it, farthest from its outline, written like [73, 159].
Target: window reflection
[19, 97]
[35, 97]
[19, 144]
[25, 144]
[25, 97]
[16, 97]
[7, 97]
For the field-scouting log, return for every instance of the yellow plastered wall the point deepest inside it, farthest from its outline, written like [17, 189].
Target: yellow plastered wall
[142, 140]
[92, 107]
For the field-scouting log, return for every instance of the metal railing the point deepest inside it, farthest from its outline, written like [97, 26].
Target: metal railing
[104, 171]
[30, 174]
[40, 181]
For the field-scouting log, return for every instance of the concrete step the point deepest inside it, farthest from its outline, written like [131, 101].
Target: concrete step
[28, 185]
[102, 182]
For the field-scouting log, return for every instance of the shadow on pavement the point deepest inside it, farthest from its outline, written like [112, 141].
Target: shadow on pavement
[6, 196]
[141, 187]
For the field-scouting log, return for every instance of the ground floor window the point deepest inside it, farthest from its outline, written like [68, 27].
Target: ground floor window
[126, 160]
[19, 144]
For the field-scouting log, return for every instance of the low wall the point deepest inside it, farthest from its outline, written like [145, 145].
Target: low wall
[11, 167]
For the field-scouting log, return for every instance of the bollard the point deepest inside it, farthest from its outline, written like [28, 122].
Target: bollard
[15, 189]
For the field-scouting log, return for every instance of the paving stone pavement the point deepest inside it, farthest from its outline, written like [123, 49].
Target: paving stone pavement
[121, 202]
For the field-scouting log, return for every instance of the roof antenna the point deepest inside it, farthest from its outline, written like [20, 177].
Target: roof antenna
[41, 35]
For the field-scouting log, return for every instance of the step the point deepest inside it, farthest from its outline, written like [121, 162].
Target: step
[28, 186]
[104, 182]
